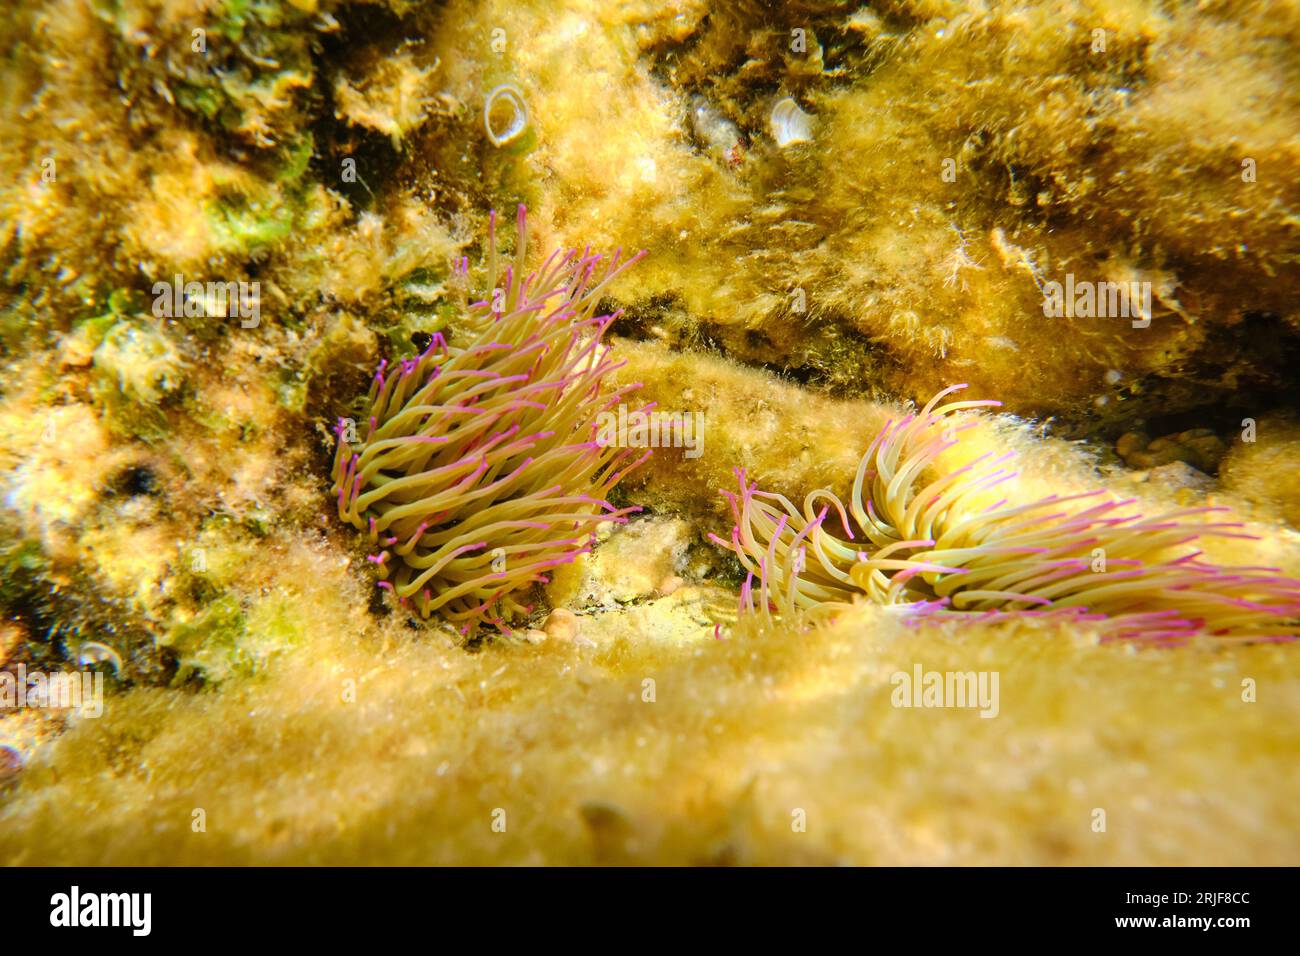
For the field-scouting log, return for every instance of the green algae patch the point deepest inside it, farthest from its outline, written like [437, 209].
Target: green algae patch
[209, 643]
[237, 638]
[247, 226]
[137, 367]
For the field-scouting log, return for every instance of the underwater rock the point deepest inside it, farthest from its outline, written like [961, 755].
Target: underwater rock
[847, 209]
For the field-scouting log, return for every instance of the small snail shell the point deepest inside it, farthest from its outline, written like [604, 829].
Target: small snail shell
[790, 124]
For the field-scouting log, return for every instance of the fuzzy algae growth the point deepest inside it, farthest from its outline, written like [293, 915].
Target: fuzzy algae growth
[847, 208]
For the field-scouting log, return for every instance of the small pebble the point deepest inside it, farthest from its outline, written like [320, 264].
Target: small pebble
[669, 584]
[562, 624]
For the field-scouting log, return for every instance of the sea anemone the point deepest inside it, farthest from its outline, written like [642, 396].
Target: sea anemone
[931, 544]
[479, 470]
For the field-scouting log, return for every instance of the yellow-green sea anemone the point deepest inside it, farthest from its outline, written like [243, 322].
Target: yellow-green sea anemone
[479, 470]
[933, 543]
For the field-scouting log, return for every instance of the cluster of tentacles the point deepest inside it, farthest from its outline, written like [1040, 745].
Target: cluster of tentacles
[932, 544]
[479, 470]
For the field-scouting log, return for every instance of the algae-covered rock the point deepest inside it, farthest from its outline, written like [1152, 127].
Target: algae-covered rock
[220, 217]
[1264, 466]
